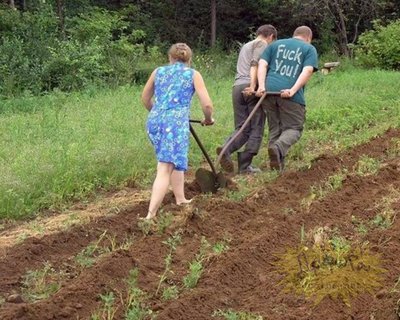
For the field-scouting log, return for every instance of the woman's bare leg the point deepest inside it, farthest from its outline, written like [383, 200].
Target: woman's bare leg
[160, 187]
[177, 183]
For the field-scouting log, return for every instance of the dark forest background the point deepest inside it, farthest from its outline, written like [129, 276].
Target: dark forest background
[67, 45]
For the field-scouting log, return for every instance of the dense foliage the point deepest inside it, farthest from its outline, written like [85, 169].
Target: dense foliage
[95, 48]
[69, 45]
[380, 47]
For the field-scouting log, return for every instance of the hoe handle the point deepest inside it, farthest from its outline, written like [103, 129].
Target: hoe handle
[201, 146]
[226, 146]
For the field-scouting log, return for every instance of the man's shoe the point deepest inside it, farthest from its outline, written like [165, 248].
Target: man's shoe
[226, 162]
[275, 160]
[250, 170]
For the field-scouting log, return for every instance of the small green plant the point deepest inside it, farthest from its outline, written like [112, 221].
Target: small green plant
[367, 166]
[41, 284]
[220, 247]
[382, 221]
[146, 226]
[126, 244]
[333, 183]
[195, 271]
[340, 249]
[360, 227]
[394, 149]
[164, 220]
[172, 243]
[206, 252]
[108, 309]
[170, 293]
[386, 214]
[238, 195]
[246, 183]
[236, 315]
[136, 301]
[196, 266]
[87, 257]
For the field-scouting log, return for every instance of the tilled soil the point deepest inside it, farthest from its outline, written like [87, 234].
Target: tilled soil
[243, 278]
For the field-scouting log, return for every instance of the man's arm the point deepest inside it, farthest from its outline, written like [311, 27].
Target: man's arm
[253, 81]
[301, 81]
[253, 77]
[261, 75]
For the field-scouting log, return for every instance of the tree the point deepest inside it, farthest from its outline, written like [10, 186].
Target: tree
[349, 17]
[213, 22]
[60, 14]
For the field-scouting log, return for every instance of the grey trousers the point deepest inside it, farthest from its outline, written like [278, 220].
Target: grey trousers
[252, 135]
[285, 122]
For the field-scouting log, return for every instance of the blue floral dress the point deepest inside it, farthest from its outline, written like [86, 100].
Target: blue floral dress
[168, 120]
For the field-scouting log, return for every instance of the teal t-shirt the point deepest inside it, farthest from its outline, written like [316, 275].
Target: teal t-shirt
[286, 59]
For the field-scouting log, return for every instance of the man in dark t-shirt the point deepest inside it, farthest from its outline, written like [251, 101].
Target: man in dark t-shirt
[286, 66]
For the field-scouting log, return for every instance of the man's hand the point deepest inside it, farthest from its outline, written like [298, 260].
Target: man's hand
[287, 93]
[260, 92]
[249, 91]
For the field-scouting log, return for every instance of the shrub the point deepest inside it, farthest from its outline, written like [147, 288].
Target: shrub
[380, 47]
[98, 48]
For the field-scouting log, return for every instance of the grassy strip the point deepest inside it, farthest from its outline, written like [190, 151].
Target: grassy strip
[62, 147]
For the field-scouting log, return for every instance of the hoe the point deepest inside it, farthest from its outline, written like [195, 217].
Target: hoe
[211, 181]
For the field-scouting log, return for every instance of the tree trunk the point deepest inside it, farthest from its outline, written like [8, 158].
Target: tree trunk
[213, 22]
[12, 4]
[60, 14]
[342, 29]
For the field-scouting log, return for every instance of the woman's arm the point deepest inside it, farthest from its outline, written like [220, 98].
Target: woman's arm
[148, 92]
[205, 100]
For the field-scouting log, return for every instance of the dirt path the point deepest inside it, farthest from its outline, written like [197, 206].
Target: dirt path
[243, 277]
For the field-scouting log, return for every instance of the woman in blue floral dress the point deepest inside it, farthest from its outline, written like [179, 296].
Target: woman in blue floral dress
[167, 95]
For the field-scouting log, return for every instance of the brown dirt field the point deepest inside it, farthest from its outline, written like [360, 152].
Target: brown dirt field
[244, 277]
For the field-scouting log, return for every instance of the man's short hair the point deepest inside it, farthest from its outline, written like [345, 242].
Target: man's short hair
[266, 30]
[302, 31]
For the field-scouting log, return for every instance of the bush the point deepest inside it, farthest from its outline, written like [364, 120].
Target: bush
[24, 45]
[380, 47]
[98, 48]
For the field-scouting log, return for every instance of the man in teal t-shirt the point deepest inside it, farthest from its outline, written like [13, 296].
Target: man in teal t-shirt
[286, 66]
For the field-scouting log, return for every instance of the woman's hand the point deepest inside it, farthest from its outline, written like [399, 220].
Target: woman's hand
[207, 122]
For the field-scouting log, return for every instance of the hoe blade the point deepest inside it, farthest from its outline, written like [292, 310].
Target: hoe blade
[207, 181]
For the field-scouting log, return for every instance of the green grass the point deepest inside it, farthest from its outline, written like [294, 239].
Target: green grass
[64, 147]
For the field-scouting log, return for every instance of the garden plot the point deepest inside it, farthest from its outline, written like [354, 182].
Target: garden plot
[224, 259]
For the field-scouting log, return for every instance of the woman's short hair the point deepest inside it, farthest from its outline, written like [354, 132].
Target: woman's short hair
[180, 52]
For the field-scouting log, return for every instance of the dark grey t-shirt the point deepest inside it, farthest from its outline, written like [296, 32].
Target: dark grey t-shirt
[249, 55]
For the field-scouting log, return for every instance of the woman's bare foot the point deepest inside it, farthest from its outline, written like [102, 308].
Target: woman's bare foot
[150, 215]
[185, 201]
